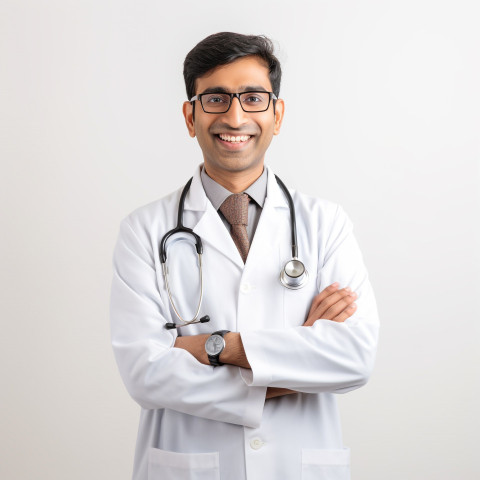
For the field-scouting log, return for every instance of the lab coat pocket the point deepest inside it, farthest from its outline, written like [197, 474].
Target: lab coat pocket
[164, 465]
[326, 464]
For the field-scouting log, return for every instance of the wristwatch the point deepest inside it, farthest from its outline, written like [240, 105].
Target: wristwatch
[214, 347]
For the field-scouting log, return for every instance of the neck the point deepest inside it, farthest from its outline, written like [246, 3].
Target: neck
[235, 182]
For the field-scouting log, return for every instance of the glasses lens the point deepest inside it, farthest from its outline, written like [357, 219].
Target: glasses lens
[215, 102]
[255, 101]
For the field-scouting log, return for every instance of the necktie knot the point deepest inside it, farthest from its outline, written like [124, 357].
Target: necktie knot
[235, 209]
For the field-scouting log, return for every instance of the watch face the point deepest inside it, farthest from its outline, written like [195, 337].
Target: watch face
[214, 344]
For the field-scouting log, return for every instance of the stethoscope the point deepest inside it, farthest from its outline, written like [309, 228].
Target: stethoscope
[294, 274]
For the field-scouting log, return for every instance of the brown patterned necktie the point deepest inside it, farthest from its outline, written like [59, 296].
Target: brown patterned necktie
[235, 210]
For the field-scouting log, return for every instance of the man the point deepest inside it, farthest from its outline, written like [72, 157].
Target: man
[255, 400]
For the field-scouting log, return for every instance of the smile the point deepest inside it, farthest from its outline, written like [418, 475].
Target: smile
[231, 139]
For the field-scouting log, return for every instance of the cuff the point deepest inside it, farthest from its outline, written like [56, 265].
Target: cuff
[260, 374]
[254, 405]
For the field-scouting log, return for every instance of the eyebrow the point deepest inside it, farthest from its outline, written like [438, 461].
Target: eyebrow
[243, 88]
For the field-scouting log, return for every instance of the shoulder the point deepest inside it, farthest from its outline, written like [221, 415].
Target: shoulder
[310, 208]
[158, 212]
[319, 209]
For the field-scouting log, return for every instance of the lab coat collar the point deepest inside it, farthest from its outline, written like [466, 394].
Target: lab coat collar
[211, 229]
[275, 196]
[197, 199]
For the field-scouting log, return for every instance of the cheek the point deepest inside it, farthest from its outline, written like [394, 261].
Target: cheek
[202, 134]
[202, 128]
[268, 125]
[268, 130]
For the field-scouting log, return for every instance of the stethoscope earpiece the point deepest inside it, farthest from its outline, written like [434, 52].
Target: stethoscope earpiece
[171, 326]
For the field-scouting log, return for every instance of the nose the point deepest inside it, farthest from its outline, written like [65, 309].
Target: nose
[235, 116]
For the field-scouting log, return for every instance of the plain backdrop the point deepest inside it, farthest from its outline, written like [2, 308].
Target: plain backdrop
[382, 116]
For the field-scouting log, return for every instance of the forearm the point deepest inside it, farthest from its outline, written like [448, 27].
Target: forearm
[322, 356]
[233, 354]
[327, 357]
[156, 375]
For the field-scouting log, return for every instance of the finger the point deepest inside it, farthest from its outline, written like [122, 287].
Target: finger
[320, 310]
[347, 313]
[339, 306]
[338, 311]
[330, 301]
[322, 296]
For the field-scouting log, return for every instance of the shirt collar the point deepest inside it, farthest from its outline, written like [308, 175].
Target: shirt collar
[218, 194]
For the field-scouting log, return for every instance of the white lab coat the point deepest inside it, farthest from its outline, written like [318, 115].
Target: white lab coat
[200, 422]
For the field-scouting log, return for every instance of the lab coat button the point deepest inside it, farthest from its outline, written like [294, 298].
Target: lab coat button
[256, 443]
[245, 287]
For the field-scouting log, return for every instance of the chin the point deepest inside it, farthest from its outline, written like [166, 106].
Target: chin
[234, 165]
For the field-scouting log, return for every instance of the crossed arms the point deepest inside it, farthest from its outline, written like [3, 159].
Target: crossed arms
[331, 304]
[161, 370]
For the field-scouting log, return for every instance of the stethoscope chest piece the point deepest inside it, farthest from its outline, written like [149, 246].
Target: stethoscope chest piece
[294, 274]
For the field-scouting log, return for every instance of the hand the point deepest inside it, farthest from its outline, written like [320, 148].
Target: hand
[332, 304]
[273, 392]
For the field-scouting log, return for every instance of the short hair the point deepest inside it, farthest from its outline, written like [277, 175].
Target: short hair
[225, 47]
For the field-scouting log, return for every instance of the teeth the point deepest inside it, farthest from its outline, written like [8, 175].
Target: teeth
[228, 138]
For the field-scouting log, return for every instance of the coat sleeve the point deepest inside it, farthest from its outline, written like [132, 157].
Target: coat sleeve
[156, 374]
[328, 356]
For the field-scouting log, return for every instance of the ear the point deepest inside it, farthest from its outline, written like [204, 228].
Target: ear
[279, 111]
[188, 114]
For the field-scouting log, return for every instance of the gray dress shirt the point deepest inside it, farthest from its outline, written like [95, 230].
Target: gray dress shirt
[257, 192]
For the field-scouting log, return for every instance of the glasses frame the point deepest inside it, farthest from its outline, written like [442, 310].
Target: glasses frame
[271, 96]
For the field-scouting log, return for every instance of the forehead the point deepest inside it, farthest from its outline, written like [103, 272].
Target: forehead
[235, 76]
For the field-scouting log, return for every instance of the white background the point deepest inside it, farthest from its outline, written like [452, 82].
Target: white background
[382, 116]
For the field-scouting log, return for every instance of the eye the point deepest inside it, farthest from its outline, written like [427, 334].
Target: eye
[216, 98]
[255, 98]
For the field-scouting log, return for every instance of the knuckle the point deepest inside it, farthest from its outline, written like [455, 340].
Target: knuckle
[330, 313]
[351, 298]
[342, 304]
[340, 295]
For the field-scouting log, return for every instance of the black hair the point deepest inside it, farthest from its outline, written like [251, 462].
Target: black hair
[225, 47]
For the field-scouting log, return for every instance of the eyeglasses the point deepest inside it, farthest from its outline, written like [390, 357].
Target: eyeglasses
[221, 102]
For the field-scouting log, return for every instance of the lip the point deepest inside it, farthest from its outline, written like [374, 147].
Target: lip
[233, 146]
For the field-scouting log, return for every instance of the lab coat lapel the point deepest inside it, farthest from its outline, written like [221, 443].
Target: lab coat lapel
[205, 221]
[273, 227]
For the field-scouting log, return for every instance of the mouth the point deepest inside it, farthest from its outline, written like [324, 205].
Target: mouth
[233, 141]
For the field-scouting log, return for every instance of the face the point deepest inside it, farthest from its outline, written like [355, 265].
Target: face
[214, 132]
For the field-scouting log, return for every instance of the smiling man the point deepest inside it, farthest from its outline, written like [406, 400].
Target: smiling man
[234, 142]
[236, 368]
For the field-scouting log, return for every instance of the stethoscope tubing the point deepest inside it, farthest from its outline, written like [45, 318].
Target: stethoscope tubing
[200, 273]
[287, 281]
[293, 221]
